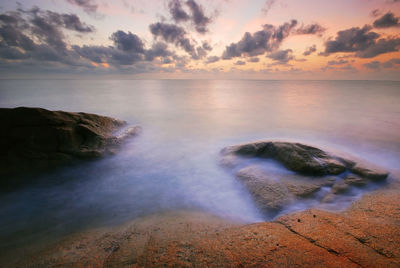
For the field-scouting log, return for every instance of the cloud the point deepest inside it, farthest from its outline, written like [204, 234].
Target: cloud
[31, 37]
[266, 40]
[375, 13]
[267, 6]
[386, 21]
[392, 63]
[19, 29]
[206, 46]
[89, 6]
[372, 65]
[158, 49]
[212, 59]
[314, 28]
[310, 50]
[177, 12]
[127, 42]
[200, 20]
[255, 59]
[361, 41]
[172, 33]
[337, 62]
[240, 62]
[281, 56]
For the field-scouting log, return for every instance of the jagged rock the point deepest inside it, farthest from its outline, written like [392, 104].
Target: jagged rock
[269, 194]
[340, 187]
[355, 180]
[35, 139]
[311, 165]
[368, 173]
[297, 157]
[302, 186]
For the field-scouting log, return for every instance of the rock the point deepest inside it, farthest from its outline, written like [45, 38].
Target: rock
[372, 174]
[340, 187]
[297, 157]
[34, 139]
[301, 186]
[355, 180]
[366, 235]
[269, 194]
[328, 198]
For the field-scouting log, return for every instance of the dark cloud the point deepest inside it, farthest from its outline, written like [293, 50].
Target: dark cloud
[310, 50]
[200, 20]
[255, 59]
[171, 33]
[98, 54]
[281, 56]
[386, 21]
[212, 59]
[373, 65]
[89, 6]
[337, 62]
[177, 12]
[206, 46]
[240, 62]
[375, 13]
[392, 63]
[127, 42]
[361, 41]
[267, 6]
[19, 29]
[36, 36]
[158, 49]
[266, 40]
[314, 28]
[72, 22]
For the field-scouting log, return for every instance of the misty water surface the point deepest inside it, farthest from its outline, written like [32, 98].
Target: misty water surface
[173, 163]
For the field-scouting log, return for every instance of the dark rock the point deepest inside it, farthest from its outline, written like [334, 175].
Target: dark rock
[340, 187]
[34, 139]
[372, 174]
[355, 180]
[297, 157]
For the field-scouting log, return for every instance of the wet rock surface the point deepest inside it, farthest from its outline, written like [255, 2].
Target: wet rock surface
[366, 235]
[315, 174]
[34, 139]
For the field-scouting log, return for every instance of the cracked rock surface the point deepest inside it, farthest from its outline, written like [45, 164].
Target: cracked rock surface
[366, 235]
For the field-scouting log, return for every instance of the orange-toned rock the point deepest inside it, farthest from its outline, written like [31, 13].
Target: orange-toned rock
[366, 235]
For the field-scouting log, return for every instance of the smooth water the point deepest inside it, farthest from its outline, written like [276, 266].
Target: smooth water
[174, 162]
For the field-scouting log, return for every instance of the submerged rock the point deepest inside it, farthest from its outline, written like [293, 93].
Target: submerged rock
[313, 167]
[372, 174]
[355, 180]
[269, 194]
[35, 139]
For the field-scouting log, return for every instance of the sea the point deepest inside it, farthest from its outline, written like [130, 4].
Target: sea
[174, 163]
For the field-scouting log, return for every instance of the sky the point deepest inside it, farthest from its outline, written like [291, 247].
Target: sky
[196, 39]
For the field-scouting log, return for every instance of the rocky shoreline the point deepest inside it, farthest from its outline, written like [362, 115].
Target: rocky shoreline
[35, 140]
[365, 235]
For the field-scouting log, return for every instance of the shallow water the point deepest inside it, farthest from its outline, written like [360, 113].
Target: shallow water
[173, 163]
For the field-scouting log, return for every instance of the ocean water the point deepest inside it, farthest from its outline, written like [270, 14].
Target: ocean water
[174, 163]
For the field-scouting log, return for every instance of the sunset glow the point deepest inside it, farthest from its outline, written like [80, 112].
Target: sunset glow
[267, 39]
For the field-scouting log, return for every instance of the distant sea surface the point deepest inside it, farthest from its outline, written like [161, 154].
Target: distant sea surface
[173, 163]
